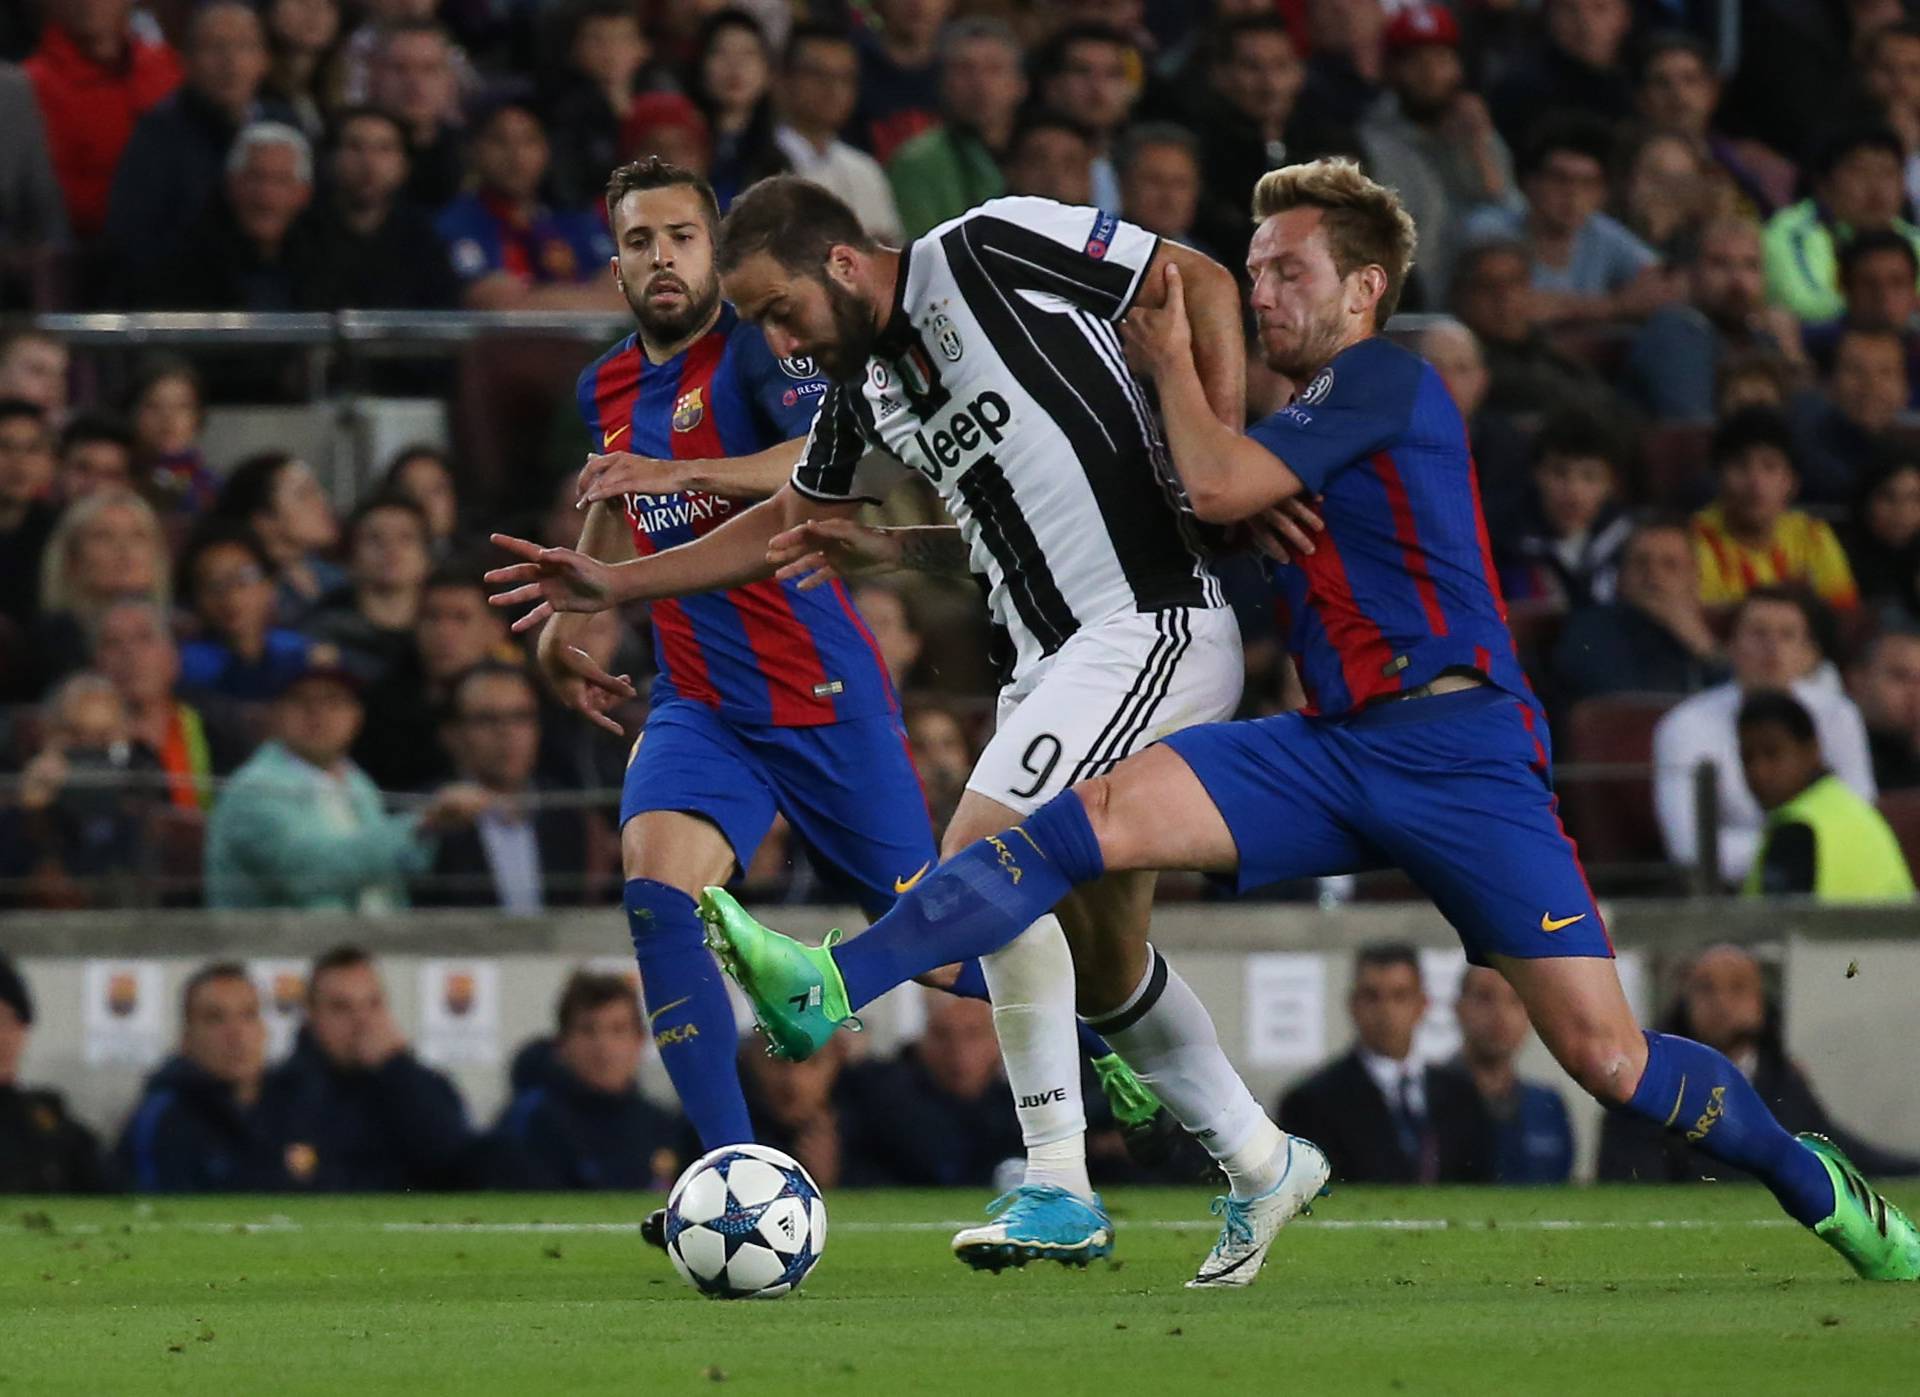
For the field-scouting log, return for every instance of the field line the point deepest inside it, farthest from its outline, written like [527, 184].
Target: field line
[274, 1225]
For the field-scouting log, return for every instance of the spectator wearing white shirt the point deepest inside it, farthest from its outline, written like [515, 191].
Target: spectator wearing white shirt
[1775, 644]
[819, 84]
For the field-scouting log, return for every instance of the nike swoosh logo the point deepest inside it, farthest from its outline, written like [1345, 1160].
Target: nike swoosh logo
[1557, 923]
[609, 438]
[665, 1007]
[902, 886]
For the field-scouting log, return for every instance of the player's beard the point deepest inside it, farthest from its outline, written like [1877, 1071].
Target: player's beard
[670, 327]
[853, 334]
[1304, 357]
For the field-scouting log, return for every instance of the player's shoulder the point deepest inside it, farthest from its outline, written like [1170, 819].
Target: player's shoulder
[1023, 211]
[1373, 375]
[621, 349]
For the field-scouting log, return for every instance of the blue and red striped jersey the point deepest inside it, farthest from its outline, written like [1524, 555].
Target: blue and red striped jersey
[765, 653]
[1403, 586]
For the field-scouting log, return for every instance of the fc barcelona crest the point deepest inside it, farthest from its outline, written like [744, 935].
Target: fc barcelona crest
[689, 412]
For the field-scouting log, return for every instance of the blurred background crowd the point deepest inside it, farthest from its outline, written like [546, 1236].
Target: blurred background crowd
[1667, 268]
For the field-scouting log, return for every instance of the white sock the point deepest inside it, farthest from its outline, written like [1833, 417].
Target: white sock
[1031, 983]
[1166, 1036]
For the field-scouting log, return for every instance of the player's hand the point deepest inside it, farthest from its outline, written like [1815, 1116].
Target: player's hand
[558, 579]
[583, 685]
[1284, 532]
[1158, 339]
[820, 550]
[620, 473]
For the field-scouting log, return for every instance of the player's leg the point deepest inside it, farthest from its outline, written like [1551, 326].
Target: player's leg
[1477, 828]
[693, 810]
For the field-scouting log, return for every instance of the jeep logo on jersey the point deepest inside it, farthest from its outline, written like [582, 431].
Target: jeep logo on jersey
[981, 420]
[1316, 392]
[800, 366]
[946, 336]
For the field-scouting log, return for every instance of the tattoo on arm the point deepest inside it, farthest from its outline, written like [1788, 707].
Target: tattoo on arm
[937, 549]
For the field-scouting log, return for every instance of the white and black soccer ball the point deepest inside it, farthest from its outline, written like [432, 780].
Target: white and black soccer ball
[745, 1222]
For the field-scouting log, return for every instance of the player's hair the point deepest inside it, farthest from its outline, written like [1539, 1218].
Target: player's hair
[1775, 708]
[264, 135]
[1577, 433]
[813, 32]
[10, 408]
[486, 669]
[1384, 953]
[216, 531]
[1365, 223]
[655, 173]
[587, 990]
[1154, 133]
[97, 426]
[56, 587]
[1820, 623]
[792, 220]
[206, 975]
[373, 505]
[342, 957]
[1857, 249]
[1223, 39]
[1747, 429]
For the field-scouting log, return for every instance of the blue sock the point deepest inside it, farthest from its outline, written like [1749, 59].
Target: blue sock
[689, 1014]
[971, 983]
[1688, 1087]
[975, 902]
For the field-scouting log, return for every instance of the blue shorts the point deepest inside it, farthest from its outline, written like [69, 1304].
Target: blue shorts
[848, 789]
[1450, 789]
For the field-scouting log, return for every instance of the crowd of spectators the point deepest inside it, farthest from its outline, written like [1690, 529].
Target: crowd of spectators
[352, 1108]
[1673, 292]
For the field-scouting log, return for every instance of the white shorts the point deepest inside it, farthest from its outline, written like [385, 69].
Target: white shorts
[1109, 691]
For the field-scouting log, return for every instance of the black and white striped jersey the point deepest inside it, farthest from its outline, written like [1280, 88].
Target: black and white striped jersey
[999, 376]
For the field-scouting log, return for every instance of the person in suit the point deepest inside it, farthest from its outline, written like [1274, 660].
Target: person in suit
[517, 855]
[1381, 1114]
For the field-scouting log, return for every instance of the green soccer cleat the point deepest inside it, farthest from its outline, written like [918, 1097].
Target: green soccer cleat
[1132, 1101]
[1876, 1238]
[797, 994]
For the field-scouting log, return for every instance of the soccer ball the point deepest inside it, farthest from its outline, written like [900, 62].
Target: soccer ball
[745, 1222]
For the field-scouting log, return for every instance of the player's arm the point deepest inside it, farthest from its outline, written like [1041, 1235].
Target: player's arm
[755, 477]
[1212, 300]
[1228, 476]
[558, 580]
[816, 552]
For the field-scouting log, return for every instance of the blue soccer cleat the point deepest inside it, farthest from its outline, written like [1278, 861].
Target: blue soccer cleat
[1037, 1222]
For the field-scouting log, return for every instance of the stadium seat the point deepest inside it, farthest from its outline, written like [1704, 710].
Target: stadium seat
[1606, 783]
[1902, 811]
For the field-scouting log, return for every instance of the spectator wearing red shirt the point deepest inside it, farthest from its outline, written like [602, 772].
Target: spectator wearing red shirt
[94, 78]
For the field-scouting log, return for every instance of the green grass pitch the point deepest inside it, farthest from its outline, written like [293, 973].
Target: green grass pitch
[1617, 1291]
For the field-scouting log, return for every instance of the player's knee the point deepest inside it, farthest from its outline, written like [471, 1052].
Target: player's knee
[1096, 798]
[1606, 1068]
